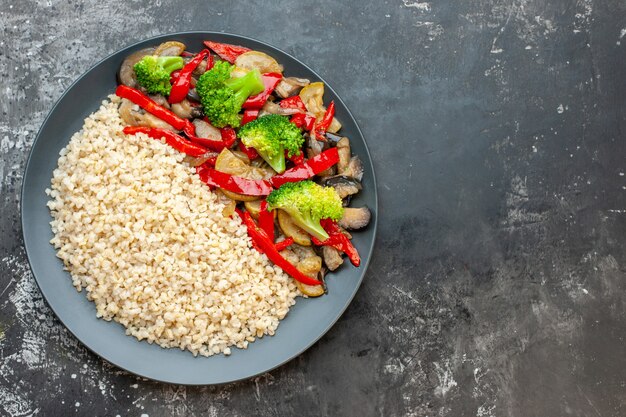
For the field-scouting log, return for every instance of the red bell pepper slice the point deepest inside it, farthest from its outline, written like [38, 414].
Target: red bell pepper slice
[270, 81]
[249, 115]
[266, 220]
[338, 241]
[303, 121]
[233, 183]
[180, 87]
[175, 141]
[323, 125]
[174, 76]
[307, 169]
[251, 153]
[265, 245]
[283, 244]
[152, 107]
[226, 51]
[293, 102]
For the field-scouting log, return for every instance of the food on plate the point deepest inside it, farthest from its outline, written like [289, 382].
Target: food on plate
[204, 196]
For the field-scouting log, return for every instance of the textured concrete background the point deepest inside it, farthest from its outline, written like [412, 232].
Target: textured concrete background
[497, 129]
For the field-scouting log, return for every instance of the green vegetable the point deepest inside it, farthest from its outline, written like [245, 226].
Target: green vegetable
[271, 135]
[223, 96]
[153, 72]
[307, 203]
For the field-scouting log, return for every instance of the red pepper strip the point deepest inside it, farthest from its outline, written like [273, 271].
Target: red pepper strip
[233, 183]
[303, 121]
[270, 81]
[226, 51]
[297, 158]
[266, 220]
[283, 244]
[338, 241]
[293, 102]
[249, 115]
[209, 63]
[326, 121]
[229, 136]
[151, 107]
[175, 141]
[251, 153]
[181, 87]
[174, 76]
[266, 246]
[307, 169]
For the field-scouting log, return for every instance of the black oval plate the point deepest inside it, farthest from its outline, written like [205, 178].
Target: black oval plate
[306, 322]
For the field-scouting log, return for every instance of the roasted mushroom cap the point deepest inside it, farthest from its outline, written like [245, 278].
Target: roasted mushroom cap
[290, 86]
[354, 169]
[206, 130]
[307, 262]
[126, 74]
[170, 48]
[185, 110]
[133, 115]
[258, 60]
[332, 257]
[344, 185]
[343, 148]
[355, 218]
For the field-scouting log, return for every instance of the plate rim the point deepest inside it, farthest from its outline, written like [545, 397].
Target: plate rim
[244, 38]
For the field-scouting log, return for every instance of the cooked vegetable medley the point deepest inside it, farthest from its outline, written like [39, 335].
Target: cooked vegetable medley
[267, 144]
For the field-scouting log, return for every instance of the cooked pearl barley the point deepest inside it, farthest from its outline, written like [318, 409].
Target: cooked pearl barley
[145, 237]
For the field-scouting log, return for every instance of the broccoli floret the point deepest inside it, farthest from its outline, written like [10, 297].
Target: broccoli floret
[307, 203]
[153, 72]
[271, 135]
[222, 96]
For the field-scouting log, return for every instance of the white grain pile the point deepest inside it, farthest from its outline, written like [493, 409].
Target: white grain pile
[146, 238]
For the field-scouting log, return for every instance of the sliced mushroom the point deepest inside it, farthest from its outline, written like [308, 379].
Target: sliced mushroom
[185, 110]
[343, 147]
[193, 95]
[307, 262]
[355, 218]
[345, 186]
[314, 146]
[253, 207]
[170, 48]
[194, 162]
[258, 60]
[292, 230]
[313, 97]
[126, 74]
[160, 100]
[290, 86]
[335, 126]
[354, 169]
[332, 138]
[133, 115]
[271, 107]
[206, 130]
[332, 257]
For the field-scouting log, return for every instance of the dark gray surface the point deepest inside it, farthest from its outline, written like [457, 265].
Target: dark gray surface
[307, 321]
[497, 131]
